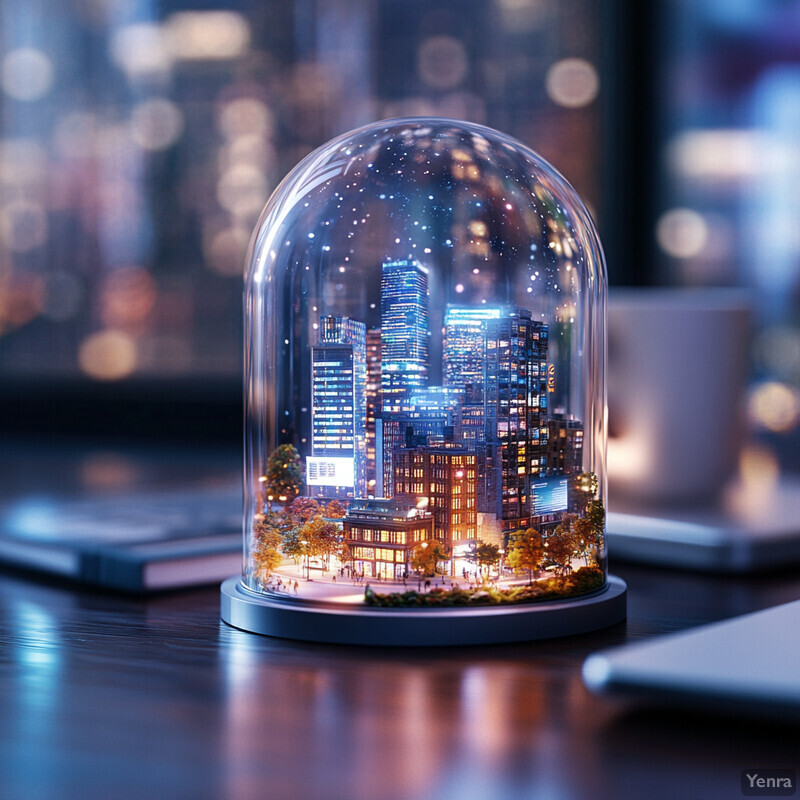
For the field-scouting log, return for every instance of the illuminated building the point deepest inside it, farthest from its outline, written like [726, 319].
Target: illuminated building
[404, 332]
[564, 445]
[382, 534]
[516, 410]
[338, 461]
[428, 420]
[373, 405]
[445, 481]
[465, 348]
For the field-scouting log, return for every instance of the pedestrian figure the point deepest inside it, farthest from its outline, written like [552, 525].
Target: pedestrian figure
[427, 586]
[334, 579]
[296, 586]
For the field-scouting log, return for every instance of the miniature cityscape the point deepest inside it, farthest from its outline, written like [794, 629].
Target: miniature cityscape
[462, 493]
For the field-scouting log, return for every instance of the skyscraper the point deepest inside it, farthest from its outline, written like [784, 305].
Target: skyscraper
[465, 348]
[338, 461]
[404, 332]
[373, 407]
[515, 395]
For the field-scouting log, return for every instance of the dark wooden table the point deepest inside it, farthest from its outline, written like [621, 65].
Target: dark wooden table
[107, 696]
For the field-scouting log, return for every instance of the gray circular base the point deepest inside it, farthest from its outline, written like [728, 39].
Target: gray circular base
[421, 627]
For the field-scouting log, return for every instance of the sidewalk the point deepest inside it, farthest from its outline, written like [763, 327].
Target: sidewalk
[322, 586]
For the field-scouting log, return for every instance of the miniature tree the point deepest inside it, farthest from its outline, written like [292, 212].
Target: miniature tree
[484, 556]
[596, 515]
[344, 554]
[427, 556]
[303, 509]
[267, 559]
[322, 538]
[562, 547]
[335, 510]
[267, 531]
[585, 538]
[525, 552]
[284, 474]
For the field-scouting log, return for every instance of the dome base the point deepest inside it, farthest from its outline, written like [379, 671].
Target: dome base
[288, 619]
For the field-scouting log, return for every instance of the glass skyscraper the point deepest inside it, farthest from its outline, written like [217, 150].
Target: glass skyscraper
[404, 332]
[337, 466]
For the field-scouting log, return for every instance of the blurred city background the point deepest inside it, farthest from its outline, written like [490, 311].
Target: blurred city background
[140, 140]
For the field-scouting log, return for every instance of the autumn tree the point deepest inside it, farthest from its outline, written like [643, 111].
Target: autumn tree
[562, 546]
[484, 556]
[303, 509]
[267, 559]
[345, 554]
[335, 510]
[427, 557]
[525, 551]
[267, 531]
[323, 538]
[284, 477]
[584, 535]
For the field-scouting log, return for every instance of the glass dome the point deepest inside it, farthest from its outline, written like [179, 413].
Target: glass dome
[424, 376]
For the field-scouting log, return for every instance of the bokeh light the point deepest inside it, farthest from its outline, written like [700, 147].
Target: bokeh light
[156, 124]
[572, 83]
[245, 116]
[139, 50]
[242, 190]
[127, 297]
[442, 62]
[23, 226]
[26, 74]
[774, 406]
[206, 35]
[108, 355]
[682, 233]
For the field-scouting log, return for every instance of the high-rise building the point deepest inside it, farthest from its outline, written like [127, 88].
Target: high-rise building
[465, 348]
[515, 394]
[404, 332]
[338, 462]
[564, 445]
[373, 407]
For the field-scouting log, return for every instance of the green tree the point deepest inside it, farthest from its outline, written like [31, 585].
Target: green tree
[284, 474]
[525, 551]
[596, 515]
[484, 556]
[427, 557]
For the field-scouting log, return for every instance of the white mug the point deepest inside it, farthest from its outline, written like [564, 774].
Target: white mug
[677, 371]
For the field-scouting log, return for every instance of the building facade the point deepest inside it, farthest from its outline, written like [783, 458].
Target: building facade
[337, 466]
[382, 534]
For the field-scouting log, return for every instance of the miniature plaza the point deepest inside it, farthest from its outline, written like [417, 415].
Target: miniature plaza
[344, 585]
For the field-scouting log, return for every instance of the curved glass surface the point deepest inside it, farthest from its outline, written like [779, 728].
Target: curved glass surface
[424, 375]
